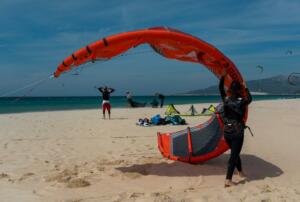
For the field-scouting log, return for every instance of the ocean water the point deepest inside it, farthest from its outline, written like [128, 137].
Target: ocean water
[31, 104]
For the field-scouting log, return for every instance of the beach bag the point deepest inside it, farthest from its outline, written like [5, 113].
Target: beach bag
[156, 120]
[175, 120]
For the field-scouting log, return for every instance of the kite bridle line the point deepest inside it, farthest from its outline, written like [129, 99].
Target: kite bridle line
[102, 60]
[39, 82]
[33, 85]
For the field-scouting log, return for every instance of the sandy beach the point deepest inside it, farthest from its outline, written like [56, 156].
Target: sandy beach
[77, 156]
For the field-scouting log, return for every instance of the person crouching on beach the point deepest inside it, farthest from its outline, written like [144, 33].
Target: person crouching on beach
[235, 106]
[105, 99]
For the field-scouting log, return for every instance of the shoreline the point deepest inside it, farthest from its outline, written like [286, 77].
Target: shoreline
[171, 95]
[97, 106]
[46, 104]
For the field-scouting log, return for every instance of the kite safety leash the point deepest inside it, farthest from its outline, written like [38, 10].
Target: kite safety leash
[247, 127]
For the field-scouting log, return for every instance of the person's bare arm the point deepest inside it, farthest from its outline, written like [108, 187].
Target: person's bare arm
[100, 89]
[111, 90]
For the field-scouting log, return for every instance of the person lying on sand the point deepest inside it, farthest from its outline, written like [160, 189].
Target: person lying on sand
[132, 103]
[234, 109]
[105, 99]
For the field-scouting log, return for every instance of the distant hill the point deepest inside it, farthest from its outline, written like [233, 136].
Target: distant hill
[274, 85]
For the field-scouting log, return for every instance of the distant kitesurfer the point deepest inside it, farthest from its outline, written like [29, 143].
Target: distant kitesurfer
[234, 110]
[161, 97]
[105, 99]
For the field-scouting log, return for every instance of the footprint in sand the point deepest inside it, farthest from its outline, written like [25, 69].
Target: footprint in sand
[70, 178]
[136, 195]
[101, 168]
[121, 197]
[62, 177]
[265, 188]
[162, 197]
[132, 175]
[134, 172]
[56, 167]
[266, 200]
[189, 189]
[25, 176]
[3, 176]
[18, 140]
[11, 180]
[77, 183]
[105, 162]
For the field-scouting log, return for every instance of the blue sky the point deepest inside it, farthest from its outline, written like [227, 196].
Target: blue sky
[35, 36]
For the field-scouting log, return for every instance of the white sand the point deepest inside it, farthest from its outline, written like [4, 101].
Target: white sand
[77, 156]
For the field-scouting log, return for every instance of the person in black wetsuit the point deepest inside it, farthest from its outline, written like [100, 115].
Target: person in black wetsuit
[234, 110]
[161, 97]
[105, 99]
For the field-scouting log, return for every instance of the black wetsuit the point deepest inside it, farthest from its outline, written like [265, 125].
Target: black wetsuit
[106, 93]
[234, 111]
[162, 98]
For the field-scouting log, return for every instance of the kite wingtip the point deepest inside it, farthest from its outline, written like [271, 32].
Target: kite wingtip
[52, 76]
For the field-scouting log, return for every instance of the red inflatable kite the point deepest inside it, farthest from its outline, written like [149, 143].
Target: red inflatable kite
[192, 145]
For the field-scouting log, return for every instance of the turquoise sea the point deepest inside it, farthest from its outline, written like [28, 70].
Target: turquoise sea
[30, 104]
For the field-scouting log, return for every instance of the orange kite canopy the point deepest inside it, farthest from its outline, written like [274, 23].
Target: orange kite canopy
[168, 42]
[193, 145]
